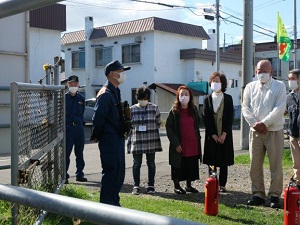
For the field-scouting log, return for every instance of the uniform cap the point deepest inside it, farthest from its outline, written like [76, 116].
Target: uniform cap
[73, 78]
[115, 65]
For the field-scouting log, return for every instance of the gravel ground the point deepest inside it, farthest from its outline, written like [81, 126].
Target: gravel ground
[238, 185]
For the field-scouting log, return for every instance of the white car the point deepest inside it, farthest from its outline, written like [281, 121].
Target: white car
[89, 110]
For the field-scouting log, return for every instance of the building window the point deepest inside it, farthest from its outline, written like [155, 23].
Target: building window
[231, 83]
[131, 53]
[276, 66]
[291, 65]
[103, 56]
[78, 59]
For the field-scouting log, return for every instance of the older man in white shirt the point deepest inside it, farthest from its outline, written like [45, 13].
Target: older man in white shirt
[263, 107]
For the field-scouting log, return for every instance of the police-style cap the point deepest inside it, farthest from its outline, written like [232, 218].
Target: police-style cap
[73, 78]
[115, 65]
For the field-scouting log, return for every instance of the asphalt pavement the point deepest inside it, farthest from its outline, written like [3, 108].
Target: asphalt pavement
[92, 158]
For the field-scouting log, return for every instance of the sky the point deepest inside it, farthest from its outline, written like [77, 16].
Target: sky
[107, 12]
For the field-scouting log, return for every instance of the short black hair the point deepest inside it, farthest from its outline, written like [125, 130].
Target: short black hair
[142, 92]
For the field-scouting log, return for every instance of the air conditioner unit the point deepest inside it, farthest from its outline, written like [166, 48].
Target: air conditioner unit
[138, 39]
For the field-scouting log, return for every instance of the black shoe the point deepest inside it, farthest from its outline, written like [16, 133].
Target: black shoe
[222, 189]
[256, 201]
[191, 189]
[136, 190]
[81, 179]
[151, 190]
[274, 202]
[179, 191]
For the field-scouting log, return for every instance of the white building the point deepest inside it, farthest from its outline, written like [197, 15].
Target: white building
[159, 51]
[27, 42]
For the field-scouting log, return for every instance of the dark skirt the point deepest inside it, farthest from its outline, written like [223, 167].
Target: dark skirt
[189, 169]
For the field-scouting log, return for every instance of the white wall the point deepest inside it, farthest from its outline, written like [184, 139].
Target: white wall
[12, 49]
[167, 64]
[13, 68]
[206, 68]
[40, 46]
[44, 45]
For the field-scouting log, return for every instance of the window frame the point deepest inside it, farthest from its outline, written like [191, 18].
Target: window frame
[106, 56]
[80, 61]
[131, 53]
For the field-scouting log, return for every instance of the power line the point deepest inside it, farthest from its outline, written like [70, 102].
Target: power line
[253, 24]
[162, 4]
[264, 5]
[190, 8]
[241, 25]
[111, 7]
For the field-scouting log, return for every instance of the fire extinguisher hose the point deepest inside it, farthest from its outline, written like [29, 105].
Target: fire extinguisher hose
[287, 196]
[217, 186]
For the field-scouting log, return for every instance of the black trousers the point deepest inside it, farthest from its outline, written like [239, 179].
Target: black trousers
[223, 172]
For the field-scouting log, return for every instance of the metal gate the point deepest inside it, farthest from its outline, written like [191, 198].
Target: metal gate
[37, 137]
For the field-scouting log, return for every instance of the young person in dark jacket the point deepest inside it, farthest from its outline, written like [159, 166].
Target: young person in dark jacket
[292, 107]
[218, 118]
[108, 122]
[182, 128]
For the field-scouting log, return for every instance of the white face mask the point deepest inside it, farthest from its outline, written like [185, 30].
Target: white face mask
[184, 100]
[293, 84]
[122, 78]
[73, 90]
[263, 77]
[215, 86]
[143, 103]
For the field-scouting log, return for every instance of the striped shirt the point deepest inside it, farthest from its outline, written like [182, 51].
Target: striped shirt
[145, 133]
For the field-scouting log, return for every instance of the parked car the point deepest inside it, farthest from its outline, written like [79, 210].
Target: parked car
[89, 110]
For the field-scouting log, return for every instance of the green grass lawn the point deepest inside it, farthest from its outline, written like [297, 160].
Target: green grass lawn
[286, 160]
[187, 207]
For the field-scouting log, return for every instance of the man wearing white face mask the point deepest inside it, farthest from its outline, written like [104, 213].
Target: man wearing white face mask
[108, 125]
[74, 127]
[292, 107]
[144, 138]
[263, 107]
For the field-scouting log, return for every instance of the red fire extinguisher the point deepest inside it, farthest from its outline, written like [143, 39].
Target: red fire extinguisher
[291, 204]
[211, 194]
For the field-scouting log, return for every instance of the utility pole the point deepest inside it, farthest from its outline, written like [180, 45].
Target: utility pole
[295, 35]
[218, 36]
[224, 43]
[247, 64]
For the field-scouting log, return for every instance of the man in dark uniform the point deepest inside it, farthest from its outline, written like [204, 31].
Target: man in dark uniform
[108, 124]
[74, 127]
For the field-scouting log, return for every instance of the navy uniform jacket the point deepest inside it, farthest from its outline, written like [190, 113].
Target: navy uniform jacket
[107, 118]
[75, 106]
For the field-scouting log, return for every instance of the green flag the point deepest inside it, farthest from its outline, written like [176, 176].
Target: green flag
[283, 40]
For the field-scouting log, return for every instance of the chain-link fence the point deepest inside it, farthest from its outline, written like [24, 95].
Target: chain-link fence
[37, 134]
